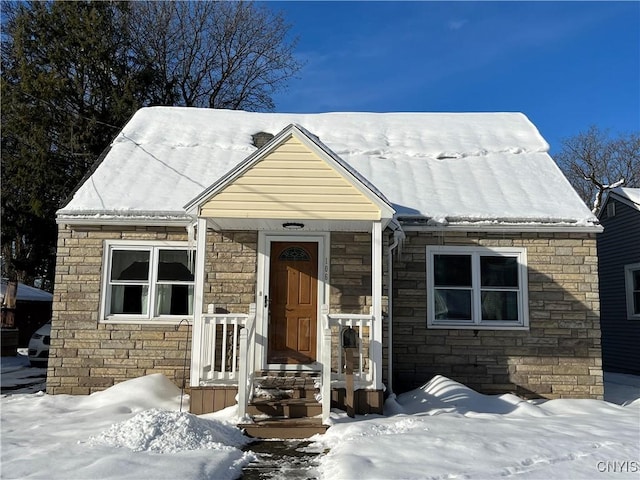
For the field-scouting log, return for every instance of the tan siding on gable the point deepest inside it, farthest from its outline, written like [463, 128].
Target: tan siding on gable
[292, 182]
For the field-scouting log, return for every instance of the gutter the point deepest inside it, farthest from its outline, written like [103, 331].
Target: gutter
[506, 224]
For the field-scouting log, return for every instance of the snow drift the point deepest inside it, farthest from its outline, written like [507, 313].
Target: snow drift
[164, 431]
[446, 430]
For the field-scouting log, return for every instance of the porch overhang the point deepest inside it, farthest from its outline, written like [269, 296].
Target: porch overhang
[292, 224]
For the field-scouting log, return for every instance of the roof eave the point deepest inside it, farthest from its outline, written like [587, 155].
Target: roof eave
[505, 225]
[175, 219]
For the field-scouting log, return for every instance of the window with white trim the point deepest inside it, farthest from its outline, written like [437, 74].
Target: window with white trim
[148, 281]
[632, 288]
[477, 287]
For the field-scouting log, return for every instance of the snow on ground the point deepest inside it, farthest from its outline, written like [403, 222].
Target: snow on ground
[19, 377]
[130, 431]
[621, 388]
[162, 431]
[443, 430]
[446, 430]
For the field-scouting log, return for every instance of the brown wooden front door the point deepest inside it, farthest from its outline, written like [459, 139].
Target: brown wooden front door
[293, 302]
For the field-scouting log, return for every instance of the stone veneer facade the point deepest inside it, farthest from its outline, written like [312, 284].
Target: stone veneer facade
[86, 355]
[558, 357]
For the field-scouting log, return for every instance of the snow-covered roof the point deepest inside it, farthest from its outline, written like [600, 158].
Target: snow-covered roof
[27, 293]
[444, 167]
[629, 196]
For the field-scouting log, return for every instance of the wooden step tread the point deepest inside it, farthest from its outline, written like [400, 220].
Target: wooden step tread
[289, 410]
[281, 373]
[285, 382]
[284, 401]
[288, 428]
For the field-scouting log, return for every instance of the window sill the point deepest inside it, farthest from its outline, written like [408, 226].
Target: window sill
[466, 326]
[147, 321]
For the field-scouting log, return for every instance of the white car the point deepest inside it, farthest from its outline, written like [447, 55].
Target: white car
[39, 346]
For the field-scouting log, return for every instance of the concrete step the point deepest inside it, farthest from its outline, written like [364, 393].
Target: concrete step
[289, 428]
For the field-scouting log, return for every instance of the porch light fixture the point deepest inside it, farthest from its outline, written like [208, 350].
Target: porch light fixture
[293, 225]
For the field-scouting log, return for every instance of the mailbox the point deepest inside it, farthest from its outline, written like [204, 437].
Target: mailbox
[349, 338]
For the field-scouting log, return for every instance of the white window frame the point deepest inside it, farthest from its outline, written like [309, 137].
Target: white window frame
[154, 248]
[628, 284]
[475, 323]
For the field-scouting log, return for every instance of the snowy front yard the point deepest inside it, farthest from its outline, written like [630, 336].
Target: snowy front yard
[444, 430]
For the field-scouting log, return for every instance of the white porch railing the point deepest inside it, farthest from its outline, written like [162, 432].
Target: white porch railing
[333, 326]
[247, 361]
[220, 347]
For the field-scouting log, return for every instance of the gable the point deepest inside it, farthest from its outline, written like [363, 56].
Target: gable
[291, 181]
[619, 198]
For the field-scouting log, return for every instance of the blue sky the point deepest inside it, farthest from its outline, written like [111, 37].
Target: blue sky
[566, 65]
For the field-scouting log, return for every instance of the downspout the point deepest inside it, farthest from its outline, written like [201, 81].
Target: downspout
[398, 235]
[196, 330]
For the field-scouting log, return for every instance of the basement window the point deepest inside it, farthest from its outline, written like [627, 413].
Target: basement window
[477, 288]
[148, 282]
[632, 288]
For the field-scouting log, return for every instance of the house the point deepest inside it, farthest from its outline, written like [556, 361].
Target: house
[32, 310]
[619, 271]
[239, 247]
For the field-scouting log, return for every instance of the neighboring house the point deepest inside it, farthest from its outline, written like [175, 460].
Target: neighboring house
[251, 242]
[33, 309]
[619, 272]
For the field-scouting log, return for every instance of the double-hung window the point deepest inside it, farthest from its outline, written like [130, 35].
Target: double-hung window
[632, 288]
[476, 287]
[148, 281]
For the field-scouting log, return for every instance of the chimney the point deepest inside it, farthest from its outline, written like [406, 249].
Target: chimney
[260, 139]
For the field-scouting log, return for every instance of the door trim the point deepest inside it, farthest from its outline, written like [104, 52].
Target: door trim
[264, 251]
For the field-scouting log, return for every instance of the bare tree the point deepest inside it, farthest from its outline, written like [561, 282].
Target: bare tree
[74, 72]
[216, 54]
[594, 162]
